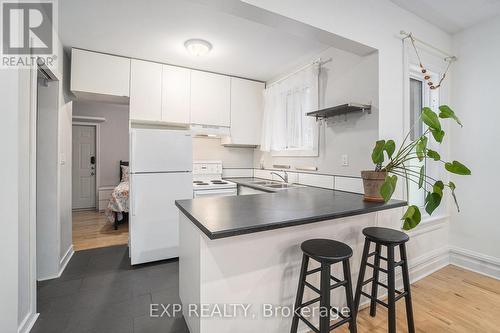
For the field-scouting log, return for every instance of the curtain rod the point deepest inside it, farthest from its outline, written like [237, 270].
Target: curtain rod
[317, 61]
[448, 57]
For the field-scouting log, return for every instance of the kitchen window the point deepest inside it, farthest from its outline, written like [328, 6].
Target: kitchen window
[287, 130]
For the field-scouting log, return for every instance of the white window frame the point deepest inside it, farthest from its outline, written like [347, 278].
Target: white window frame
[430, 98]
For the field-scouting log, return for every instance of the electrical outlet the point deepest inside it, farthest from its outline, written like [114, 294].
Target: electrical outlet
[345, 160]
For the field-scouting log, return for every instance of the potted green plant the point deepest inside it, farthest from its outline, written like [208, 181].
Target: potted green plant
[380, 184]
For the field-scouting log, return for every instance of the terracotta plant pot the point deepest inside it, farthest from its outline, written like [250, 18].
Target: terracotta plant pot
[372, 182]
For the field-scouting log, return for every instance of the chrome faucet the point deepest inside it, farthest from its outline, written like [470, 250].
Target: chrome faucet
[285, 177]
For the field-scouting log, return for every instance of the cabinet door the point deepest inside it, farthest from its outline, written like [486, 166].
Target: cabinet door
[97, 73]
[210, 99]
[145, 90]
[246, 111]
[176, 86]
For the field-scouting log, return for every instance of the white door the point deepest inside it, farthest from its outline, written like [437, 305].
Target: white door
[145, 90]
[84, 172]
[154, 218]
[176, 88]
[159, 150]
[210, 99]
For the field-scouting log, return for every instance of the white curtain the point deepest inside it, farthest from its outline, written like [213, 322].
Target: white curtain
[285, 124]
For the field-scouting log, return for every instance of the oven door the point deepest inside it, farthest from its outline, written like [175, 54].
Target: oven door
[225, 192]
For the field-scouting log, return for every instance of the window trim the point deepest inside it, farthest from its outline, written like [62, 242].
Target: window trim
[427, 101]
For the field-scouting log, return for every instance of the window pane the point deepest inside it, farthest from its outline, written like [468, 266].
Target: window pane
[416, 106]
[416, 196]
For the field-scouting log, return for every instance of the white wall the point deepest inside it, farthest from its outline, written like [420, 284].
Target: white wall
[113, 136]
[231, 157]
[475, 92]
[47, 180]
[65, 184]
[24, 303]
[347, 78]
[9, 200]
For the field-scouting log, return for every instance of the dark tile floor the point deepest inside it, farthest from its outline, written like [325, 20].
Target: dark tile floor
[100, 292]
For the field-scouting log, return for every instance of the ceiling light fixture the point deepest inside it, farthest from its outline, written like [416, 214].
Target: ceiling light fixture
[198, 47]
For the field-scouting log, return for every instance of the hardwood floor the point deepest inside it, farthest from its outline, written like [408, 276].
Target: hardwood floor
[450, 300]
[91, 230]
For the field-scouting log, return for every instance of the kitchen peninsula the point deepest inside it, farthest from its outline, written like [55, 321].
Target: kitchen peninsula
[246, 250]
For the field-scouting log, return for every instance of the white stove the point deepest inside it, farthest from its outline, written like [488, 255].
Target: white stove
[208, 182]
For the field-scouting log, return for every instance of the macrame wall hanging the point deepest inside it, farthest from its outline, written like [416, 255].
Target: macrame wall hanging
[426, 75]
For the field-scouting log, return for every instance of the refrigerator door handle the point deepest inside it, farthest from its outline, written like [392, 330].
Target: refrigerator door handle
[134, 205]
[132, 151]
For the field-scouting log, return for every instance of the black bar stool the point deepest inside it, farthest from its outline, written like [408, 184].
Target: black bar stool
[389, 238]
[327, 252]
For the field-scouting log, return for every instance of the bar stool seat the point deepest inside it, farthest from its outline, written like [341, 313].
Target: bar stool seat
[385, 235]
[326, 250]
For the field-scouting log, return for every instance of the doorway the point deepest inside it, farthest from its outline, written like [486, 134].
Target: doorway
[84, 167]
[91, 227]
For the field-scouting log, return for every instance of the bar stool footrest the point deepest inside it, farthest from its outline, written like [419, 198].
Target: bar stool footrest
[312, 271]
[374, 299]
[303, 305]
[313, 288]
[377, 268]
[401, 295]
[308, 323]
[340, 323]
[374, 253]
[338, 313]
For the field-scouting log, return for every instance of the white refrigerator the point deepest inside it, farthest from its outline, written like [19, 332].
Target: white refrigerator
[161, 164]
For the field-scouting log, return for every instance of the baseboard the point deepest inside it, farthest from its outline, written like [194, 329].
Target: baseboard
[62, 265]
[476, 262]
[65, 259]
[429, 263]
[28, 323]
[420, 267]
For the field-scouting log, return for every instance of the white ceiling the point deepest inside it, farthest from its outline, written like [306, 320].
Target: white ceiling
[452, 15]
[157, 29]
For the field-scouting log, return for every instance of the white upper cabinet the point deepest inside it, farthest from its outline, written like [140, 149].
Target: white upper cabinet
[145, 91]
[99, 76]
[176, 87]
[210, 99]
[246, 112]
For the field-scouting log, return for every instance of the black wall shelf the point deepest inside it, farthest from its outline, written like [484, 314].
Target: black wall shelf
[340, 110]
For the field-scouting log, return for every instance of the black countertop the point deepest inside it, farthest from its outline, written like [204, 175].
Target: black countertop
[220, 217]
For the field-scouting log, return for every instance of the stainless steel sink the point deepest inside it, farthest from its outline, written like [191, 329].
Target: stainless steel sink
[274, 185]
[278, 186]
[264, 183]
